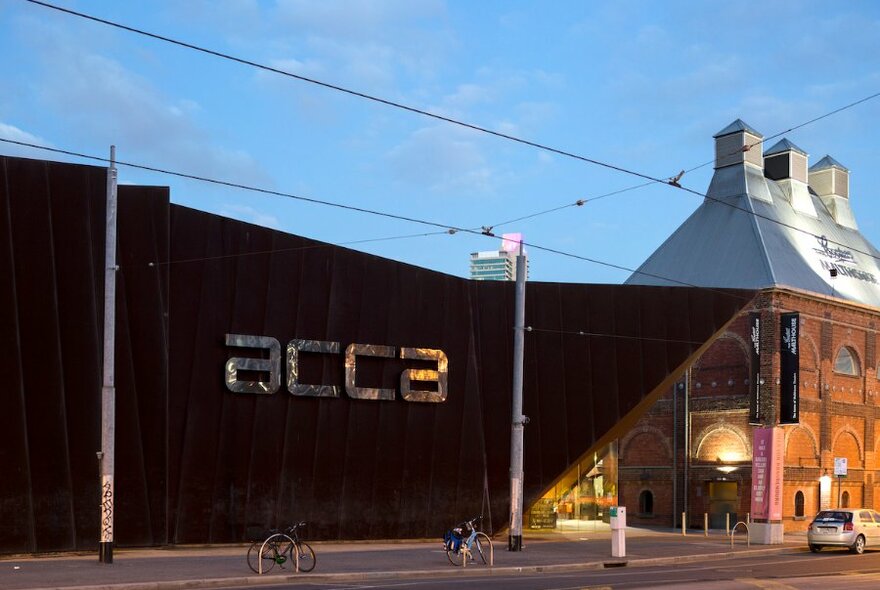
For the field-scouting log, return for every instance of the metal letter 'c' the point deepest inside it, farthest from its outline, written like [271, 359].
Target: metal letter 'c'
[294, 347]
[351, 353]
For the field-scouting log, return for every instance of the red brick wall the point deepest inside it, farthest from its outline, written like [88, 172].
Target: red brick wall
[838, 415]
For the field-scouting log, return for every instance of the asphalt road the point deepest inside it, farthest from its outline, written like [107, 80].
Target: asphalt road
[829, 570]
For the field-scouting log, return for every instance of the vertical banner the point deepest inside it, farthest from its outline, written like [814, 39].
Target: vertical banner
[767, 457]
[789, 369]
[755, 416]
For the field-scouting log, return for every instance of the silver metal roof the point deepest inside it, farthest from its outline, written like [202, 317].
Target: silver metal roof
[751, 237]
[783, 145]
[828, 162]
[736, 127]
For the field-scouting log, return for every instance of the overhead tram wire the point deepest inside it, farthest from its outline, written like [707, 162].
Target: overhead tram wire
[486, 230]
[607, 335]
[349, 91]
[580, 202]
[670, 181]
[291, 250]
[790, 129]
[446, 228]
[237, 185]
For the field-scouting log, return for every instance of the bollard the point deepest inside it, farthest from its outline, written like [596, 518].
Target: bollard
[727, 524]
[705, 525]
[748, 518]
[684, 523]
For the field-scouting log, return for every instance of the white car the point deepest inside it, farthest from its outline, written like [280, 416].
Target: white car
[854, 528]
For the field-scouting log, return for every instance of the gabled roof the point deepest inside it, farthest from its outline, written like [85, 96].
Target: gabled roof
[747, 235]
[736, 127]
[783, 145]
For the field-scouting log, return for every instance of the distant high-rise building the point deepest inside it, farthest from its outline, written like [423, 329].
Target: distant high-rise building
[498, 265]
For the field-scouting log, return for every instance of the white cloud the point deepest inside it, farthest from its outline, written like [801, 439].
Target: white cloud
[14, 133]
[103, 101]
[443, 159]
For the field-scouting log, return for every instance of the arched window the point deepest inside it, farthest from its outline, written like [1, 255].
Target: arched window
[799, 504]
[846, 362]
[646, 502]
[844, 500]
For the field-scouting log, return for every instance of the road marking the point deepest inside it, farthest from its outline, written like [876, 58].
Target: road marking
[765, 583]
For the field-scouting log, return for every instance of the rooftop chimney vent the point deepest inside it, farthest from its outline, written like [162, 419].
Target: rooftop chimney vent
[829, 179]
[738, 143]
[786, 163]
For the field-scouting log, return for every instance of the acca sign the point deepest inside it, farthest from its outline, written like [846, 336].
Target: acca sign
[434, 381]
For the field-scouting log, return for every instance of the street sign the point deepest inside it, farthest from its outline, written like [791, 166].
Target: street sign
[840, 466]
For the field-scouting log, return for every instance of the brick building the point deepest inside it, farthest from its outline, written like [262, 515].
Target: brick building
[772, 224]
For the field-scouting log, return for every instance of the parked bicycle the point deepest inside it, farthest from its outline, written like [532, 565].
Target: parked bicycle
[464, 543]
[281, 548]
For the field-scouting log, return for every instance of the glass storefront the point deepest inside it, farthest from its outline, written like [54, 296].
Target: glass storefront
[580, 499]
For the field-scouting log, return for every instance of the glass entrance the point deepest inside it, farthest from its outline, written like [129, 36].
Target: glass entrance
[580, 499]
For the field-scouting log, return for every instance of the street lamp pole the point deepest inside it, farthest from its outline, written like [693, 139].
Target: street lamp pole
[106, 456]
[516, 437]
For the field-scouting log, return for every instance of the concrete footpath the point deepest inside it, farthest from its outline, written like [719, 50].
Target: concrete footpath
[220, 566]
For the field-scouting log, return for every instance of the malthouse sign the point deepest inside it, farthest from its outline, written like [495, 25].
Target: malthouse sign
[435, 381]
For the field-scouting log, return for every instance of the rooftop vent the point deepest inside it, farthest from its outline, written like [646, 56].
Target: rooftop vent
[736, 144]
[786, 163]
[829, 179]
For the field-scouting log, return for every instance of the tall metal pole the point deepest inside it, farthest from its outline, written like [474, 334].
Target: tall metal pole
[675, 452]
[687, 441]
[106, 456]
[516, 436]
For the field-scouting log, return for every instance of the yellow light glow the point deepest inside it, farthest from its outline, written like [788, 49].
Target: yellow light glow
[730, 457]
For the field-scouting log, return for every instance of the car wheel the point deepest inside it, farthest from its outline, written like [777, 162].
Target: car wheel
[859, 546]
[815, 548]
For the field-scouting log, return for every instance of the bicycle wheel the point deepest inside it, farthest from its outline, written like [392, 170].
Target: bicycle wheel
[253, 558]
[275, 550]
[482, 547]
[305, 556]
[456, 557]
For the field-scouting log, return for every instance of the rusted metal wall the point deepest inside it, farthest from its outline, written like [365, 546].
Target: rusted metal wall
[51, 306]
[198, 463]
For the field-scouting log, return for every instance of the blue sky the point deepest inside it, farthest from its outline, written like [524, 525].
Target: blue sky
[641, 85]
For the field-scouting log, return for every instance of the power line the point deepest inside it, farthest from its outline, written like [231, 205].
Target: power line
[486, 231]
[446, 228]
[349, 91]
[578, 203]
[607, 335]
[704, 164]
[288, 250]
[672, 181]
[237, 185]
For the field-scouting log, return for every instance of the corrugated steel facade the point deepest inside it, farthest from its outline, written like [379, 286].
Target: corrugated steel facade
[196, 463]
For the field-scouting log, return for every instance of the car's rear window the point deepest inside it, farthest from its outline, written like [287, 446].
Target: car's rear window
[834, 516]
